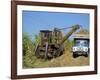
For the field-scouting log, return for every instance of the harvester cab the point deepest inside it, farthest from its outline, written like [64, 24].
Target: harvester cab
[45, 36]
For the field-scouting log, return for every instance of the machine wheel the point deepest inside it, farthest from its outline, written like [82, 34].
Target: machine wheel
[46, 51]
[75, 55]
[61, 52]
[37, 51]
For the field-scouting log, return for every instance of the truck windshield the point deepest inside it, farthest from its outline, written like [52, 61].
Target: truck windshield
[81, 43]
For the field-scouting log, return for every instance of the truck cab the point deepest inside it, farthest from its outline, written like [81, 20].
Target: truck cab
[81, 47]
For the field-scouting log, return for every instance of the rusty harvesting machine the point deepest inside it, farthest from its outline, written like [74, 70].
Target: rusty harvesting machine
[52, 42]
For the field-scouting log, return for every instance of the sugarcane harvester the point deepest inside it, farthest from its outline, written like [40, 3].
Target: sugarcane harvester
[52, 42]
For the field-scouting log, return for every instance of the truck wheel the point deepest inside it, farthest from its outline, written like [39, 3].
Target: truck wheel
[75, 55]
[86, 54]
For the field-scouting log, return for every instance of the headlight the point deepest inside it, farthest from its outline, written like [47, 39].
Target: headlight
[85, 49]
[75, 49]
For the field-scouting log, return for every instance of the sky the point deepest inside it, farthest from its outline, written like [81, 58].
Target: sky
[34, 21]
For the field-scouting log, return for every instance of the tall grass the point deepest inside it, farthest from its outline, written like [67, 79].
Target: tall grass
[28, 49]
[69, 44]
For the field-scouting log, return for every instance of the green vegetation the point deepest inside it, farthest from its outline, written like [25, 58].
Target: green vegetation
[28, 49]
[69, 44]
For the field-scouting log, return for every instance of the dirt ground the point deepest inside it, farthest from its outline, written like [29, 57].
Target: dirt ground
[62, 61]
[67, 60]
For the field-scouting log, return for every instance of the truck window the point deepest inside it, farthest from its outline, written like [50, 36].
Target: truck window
[81, 43]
